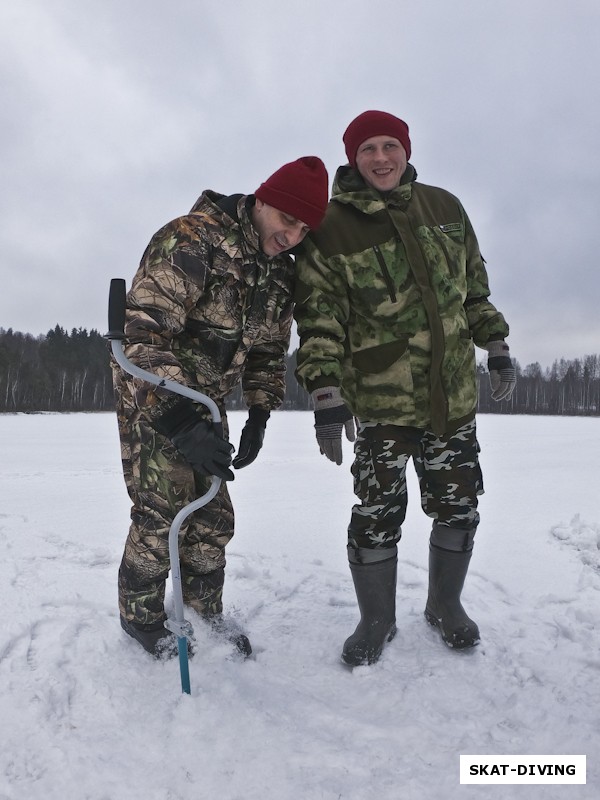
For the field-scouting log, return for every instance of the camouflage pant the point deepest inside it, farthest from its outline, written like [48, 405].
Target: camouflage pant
[160, 483]
[449, 477]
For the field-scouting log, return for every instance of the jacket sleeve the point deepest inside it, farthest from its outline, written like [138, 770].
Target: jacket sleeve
[169, 282]
[321, 312]
[485, 321]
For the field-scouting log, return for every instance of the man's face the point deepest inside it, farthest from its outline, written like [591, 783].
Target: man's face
[277, 231]
[381, 160]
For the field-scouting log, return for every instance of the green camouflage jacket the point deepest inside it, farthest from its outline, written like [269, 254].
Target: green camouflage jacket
[207, 309]
[391, 296]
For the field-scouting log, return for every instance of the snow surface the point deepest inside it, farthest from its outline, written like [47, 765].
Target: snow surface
[85, 714]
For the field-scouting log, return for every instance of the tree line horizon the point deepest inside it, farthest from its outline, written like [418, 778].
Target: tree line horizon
[64, 371]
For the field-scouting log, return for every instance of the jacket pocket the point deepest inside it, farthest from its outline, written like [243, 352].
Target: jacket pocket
[451, 239]
[376, 359]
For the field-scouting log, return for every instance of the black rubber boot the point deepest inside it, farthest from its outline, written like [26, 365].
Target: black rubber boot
[447, 573]
[375, 586]
[204, 593]
[155, 639]
[227, 628]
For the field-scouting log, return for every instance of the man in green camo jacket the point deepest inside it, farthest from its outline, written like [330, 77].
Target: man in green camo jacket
[391, 299]
[210, 306]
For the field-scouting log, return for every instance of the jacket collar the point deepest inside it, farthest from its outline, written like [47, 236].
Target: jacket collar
[350, 188]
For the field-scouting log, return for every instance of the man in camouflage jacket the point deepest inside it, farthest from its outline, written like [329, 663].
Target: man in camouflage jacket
[392, 295]
[210, 306]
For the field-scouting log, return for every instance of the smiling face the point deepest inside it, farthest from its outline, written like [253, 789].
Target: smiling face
[381, 160]
[276, 230]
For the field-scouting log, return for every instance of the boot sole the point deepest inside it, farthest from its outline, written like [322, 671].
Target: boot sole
[435, 623]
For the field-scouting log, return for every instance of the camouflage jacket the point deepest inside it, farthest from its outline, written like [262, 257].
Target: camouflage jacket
[392, 294]
[207, 309]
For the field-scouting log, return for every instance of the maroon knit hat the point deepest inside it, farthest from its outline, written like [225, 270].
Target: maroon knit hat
[299, 188]
[374, 123]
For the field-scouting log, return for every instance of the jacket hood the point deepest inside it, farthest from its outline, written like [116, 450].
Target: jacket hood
[208, 201]
[229, 211]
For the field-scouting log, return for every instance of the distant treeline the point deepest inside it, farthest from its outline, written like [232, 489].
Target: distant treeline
[65, 371]
[58, 372]
[569, 388]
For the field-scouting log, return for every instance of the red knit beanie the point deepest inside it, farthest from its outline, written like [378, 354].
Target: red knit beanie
[374, 123]
[300, 189]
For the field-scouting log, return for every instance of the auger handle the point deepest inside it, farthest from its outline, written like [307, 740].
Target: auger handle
[116, 309]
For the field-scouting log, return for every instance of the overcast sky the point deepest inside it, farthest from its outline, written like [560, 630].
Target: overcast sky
[117, 114]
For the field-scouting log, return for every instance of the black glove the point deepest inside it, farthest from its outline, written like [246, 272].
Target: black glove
[198, 440]
[252, 437]
[331, 415]
[503, 376]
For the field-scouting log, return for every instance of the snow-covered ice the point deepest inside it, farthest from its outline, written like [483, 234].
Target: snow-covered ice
[85, 714]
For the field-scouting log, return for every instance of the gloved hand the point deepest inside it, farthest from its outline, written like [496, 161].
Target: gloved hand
[331, 414]
[503, 376]
[198, 440]
[252, 437]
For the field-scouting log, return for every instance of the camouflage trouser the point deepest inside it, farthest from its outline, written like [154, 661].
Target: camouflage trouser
[449, 477]
[160, 482]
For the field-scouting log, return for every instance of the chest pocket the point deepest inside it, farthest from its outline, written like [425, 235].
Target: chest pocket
[449, 239]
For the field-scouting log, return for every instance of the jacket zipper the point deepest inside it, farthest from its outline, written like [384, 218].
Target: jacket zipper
[386, 275]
